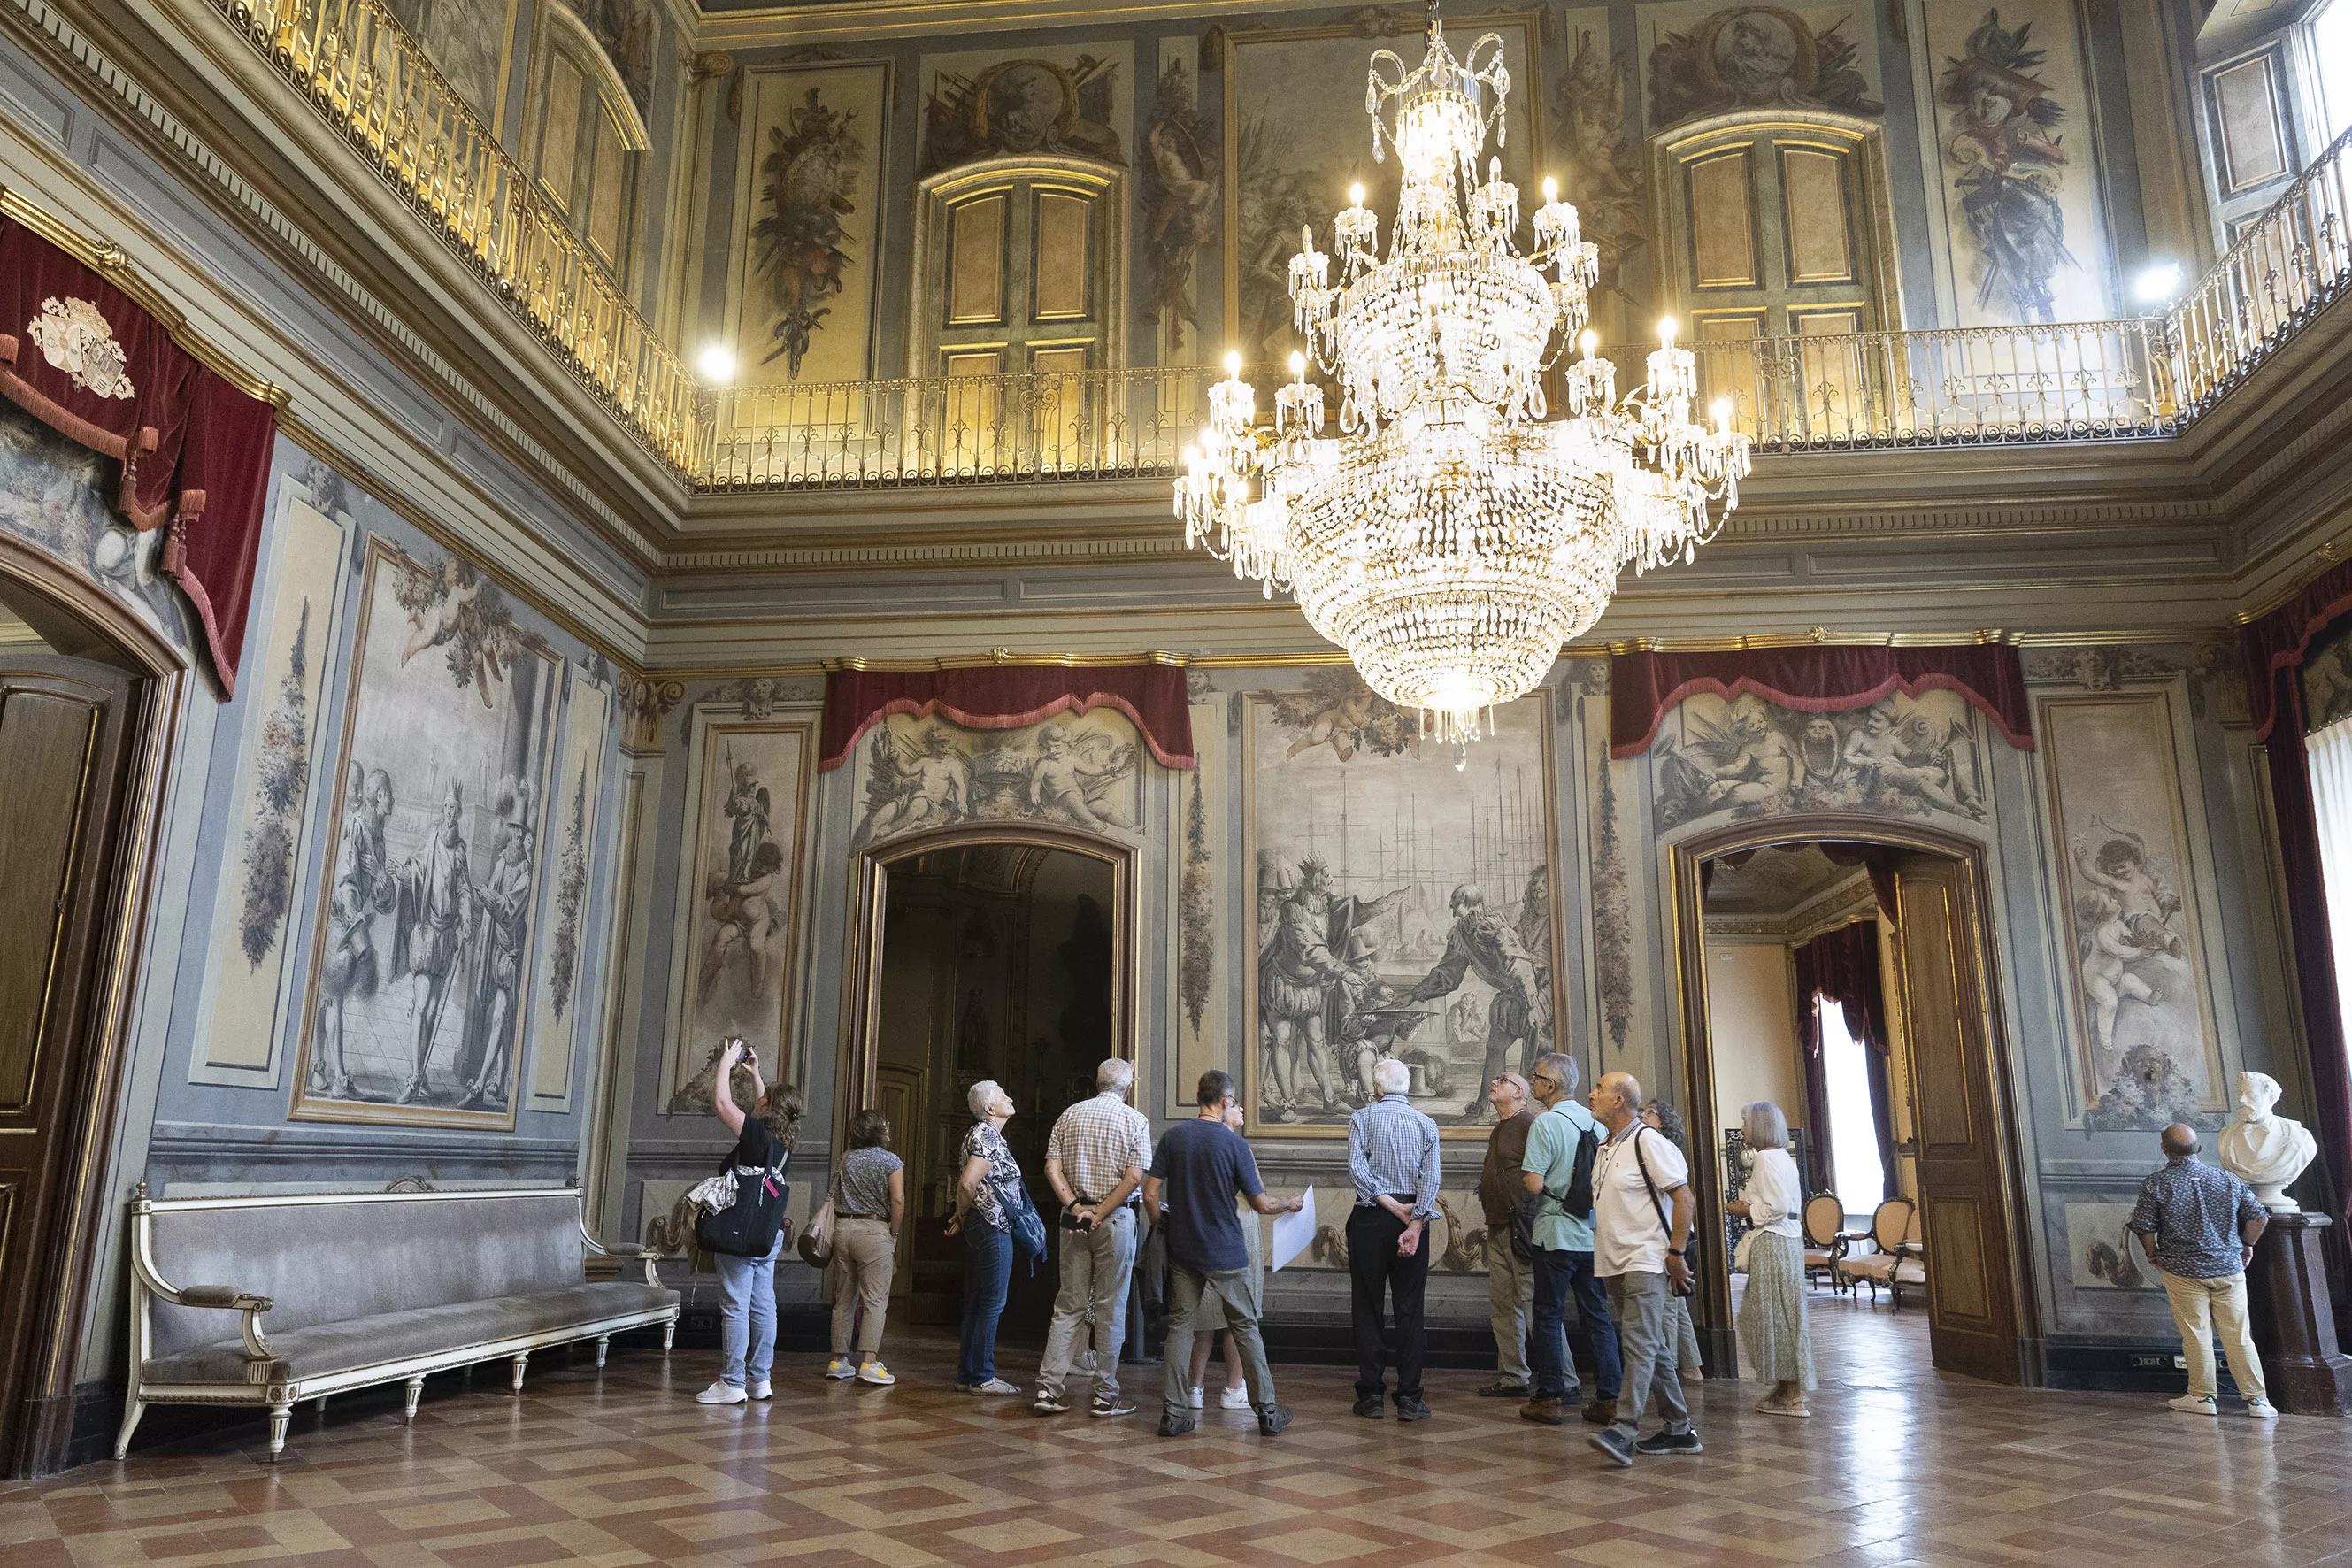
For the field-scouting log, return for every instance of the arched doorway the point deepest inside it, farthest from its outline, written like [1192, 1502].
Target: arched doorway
[88, 700]
[999, 951]
[1965, 1164]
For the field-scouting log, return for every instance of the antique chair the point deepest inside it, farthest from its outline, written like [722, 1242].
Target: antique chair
[1825, 1239]
[1901, 1259]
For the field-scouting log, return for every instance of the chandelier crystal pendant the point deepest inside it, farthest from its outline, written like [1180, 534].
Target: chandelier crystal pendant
[1451, 536]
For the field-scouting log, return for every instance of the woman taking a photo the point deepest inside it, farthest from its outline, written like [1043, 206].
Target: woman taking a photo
[763, 1140]
[1773, 1332]
[986, 1201]
[869, 1206]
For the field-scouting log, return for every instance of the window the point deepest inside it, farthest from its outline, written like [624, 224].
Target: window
[1860, 1179]
[2329, 754]
[2331, 47]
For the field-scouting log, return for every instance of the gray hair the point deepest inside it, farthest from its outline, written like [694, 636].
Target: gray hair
[1763, 1126]
[983, 1095]
[1115, 1076]
[1390, 1076]
[1561, 1065]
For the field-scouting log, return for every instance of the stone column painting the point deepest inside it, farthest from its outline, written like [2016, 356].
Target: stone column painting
[1403, 907]
[420, 964]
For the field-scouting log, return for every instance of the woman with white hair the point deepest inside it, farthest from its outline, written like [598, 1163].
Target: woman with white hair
[1773, 1330]
[985, 1204]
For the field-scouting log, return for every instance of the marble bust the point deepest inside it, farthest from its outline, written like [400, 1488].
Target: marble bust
[2262, 1149]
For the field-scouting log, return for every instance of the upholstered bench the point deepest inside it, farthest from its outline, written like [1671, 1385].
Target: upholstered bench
[347, 1291]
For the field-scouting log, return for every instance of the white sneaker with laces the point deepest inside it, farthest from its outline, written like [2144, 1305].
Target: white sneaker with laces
[997, 1385]
[2193, 1405]
[1235, 1398]
[2261, 1410]
[720, 1392]
[761, 1389]
[1197, 1397]
[875, 1372]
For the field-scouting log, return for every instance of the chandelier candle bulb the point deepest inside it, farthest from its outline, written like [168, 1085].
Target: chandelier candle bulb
[1451, 536]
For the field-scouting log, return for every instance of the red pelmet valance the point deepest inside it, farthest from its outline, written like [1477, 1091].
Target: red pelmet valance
[1644, 686]
[93, 365]
[2279, 639]
[1007, 696]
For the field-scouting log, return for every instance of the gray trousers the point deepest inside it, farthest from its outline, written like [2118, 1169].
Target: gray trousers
[1646, 1342]
[1190, 1298]
[1096, 1266]
[1510, 1303]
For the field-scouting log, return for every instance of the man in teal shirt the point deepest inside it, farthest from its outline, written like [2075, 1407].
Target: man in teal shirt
[1563, 1255]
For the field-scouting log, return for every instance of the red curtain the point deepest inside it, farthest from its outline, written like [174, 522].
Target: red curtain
[2275, 647]
[1841, 969]
[1644, 686]
[1008, 696]
[89, 361]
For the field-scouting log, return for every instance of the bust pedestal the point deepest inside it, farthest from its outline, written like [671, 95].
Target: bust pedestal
[2294, 1322]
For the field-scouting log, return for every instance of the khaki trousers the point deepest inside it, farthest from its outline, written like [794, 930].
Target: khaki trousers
[1510, 1303]
[2197, 1307]
[865, 1252]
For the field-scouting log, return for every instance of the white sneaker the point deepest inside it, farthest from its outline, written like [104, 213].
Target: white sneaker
[1235, 1398]
[880, 1376]
[2261, 1410]
[720, 1392]
[996, 1385]
[839, 1369]
[2193, 1405]
[1197, 1397]
[761, 1389]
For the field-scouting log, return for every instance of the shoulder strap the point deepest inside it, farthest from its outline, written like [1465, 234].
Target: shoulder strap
[1574, 1133]
[1656, 1201]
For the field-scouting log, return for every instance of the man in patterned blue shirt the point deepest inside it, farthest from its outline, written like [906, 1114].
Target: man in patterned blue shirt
[1393, 1158]
[2198, 1224]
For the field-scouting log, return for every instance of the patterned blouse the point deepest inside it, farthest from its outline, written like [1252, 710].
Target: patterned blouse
[1003, 1175]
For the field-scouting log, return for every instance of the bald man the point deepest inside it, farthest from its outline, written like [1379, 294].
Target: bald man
[2198, 1224]
[1642, 1217]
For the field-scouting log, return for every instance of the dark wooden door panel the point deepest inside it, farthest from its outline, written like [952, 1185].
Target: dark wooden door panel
[1972, 1309]
[46, 741]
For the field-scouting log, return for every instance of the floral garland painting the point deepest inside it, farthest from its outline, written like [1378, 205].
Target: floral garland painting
[281, 776]
[810, 180]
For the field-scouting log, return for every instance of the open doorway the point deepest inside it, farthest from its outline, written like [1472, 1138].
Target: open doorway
[81, 722]
[1842, 975]
[990, 957]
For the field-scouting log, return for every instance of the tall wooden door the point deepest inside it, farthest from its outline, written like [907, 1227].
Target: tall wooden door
[64, 725]
[1973, 1314]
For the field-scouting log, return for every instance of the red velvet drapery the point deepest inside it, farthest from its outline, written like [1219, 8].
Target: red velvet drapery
[1008, 696]
[89, 361]
[1644, 686]
[1841, 968]
[2275, 647]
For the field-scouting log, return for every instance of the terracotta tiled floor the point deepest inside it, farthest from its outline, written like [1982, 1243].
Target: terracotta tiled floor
[1898, 1466]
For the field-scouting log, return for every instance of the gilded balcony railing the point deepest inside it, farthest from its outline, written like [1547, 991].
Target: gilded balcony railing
[2283, 268]
[373, 82]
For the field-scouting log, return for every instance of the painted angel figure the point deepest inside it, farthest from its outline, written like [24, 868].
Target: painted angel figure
[1338, 710]
[1745, 760]
[1075, 774]
[455, 607]
[921, 782]
[2144, 901]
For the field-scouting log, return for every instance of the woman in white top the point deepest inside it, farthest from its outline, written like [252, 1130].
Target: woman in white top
[1773, 1330]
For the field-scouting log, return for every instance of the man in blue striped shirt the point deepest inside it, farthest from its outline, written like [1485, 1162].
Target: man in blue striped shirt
[1393, 1158]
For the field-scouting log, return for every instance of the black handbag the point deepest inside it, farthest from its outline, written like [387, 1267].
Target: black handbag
[753, 1224]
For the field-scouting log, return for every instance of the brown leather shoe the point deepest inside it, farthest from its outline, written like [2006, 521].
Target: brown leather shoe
[1600, 1412]
[1545, 1412]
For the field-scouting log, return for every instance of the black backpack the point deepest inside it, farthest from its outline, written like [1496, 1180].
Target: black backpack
[1576, 1203]
[751, 1226]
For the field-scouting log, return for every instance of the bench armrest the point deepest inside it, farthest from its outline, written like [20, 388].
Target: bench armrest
[623, 1249]
[227, 1298]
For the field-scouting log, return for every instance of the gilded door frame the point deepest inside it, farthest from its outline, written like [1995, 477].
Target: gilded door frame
[1712, 1305]
[34, 1437]
[869, 900]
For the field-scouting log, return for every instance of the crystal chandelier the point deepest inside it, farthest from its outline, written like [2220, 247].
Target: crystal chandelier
[1450, 536]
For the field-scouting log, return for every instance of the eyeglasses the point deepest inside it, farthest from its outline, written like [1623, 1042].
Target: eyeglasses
[1546, 1078]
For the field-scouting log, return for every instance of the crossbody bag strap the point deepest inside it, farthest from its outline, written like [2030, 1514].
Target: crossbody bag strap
[1666, 1225]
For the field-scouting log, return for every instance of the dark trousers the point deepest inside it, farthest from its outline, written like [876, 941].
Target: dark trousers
[1559, 1277]
[987, 1270]
[1376, 1271]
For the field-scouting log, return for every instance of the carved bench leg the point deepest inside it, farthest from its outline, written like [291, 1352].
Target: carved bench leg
[603, 1344]
[670, 1333]
[416, 1393]
[519, 1362]
[132, 1409]
[278, 1416]
[319, 1405]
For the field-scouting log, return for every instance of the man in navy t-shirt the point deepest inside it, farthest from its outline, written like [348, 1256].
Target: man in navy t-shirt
[1198, 1171]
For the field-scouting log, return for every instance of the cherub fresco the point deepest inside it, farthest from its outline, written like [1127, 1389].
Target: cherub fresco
[1338, 710]
[2125, 925]
[454, 606]
[921, 780]
[930, 773]
[1903, 756]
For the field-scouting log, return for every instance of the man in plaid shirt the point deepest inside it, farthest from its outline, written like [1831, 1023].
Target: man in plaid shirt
[2198, 1224]
[1095, 1161]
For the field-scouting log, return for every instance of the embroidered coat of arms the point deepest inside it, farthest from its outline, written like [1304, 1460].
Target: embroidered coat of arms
[74, 338]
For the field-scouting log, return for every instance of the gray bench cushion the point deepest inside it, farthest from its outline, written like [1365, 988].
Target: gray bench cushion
[322, 1350]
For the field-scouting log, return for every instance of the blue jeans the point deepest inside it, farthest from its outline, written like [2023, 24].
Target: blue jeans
[1557, 1275]
[987, 1267]
[747, 1316]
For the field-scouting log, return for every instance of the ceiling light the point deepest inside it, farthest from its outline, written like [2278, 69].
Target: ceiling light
[716, 363]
